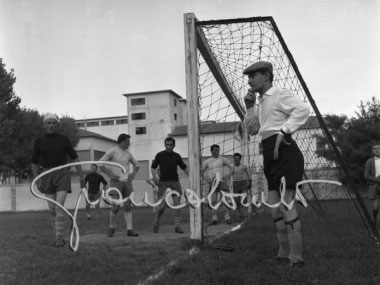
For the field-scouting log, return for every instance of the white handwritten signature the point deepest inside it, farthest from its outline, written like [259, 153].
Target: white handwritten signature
[192, 198]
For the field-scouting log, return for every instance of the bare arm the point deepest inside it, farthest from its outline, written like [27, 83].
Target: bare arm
[155, 176]
[134, 171]
[109, 173]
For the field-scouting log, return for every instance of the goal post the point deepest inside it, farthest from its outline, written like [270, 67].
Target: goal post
[217, 52]
[196, 230]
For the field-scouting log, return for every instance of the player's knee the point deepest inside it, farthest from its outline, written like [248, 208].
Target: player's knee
[293, 224]
[289, 195]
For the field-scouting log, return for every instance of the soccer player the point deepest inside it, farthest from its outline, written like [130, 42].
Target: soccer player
[49, 151]
[372, 175]
[241, 180]
[93, 179]
[279, 114]
[123, 182]
[215, 164]
[168, 161]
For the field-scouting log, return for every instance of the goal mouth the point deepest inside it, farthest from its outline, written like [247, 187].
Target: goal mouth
[217, 52]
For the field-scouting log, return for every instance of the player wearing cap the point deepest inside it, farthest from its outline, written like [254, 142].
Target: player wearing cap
[121, 181]
[279, 114]
[49, 151]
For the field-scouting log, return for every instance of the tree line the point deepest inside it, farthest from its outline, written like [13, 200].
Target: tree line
[353, 137]
[19, 127]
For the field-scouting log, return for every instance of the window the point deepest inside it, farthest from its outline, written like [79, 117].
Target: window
[321, 144]
[98, 154]
[93, 124]
[138, 116]
[175, 102]
[83, 155]
[138, 101]
[140, 130]
[175, 117]
[121, 121]
[80, 125]
[108, 123]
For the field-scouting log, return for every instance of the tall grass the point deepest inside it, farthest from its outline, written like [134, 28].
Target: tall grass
[333, 254]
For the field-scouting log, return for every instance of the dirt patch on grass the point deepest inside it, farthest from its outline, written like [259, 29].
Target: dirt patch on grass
[166, 233]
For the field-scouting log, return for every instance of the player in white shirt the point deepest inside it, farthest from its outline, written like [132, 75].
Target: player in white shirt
[216, 164]
[121, 181]
[279, 114]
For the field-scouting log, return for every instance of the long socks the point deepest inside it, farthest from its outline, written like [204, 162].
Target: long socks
[295, 239]
[59, 226]
[284, 245]
[128, 220]
[112, 220]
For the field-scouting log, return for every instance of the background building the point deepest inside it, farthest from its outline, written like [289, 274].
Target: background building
[154, 115]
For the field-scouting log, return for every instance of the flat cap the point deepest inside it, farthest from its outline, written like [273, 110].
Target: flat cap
[51, 117]
[258, 66]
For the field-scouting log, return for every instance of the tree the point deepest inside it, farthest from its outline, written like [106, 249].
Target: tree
[353, 137]
[9, 110]
[19, 127]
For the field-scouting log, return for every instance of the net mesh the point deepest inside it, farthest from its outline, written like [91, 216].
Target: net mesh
[234, 46]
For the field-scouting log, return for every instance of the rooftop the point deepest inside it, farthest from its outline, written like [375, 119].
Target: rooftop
[153, 93]
[87, 134]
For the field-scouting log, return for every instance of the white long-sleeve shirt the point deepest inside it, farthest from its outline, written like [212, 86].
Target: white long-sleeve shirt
[279, 110]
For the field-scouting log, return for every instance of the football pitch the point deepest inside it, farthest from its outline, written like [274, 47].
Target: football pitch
[335, 250]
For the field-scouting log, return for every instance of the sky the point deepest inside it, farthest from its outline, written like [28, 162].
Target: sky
[77, 57]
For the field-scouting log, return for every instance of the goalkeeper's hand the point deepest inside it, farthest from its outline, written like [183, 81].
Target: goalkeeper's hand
[279, 140]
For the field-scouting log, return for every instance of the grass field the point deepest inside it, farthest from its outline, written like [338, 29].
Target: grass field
[335, 253]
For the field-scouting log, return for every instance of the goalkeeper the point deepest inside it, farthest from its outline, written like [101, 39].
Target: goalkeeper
[279, 114]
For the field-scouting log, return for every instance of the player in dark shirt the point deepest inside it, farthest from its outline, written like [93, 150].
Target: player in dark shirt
[49, 151]
[168, 161]
[93, 179]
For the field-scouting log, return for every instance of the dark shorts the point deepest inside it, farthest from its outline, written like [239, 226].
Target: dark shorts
[93, 196]
[240, 186]
[289, 164]
[174, 185]
[125, 188]
[222, 186]
[374, 191]
[56, 181]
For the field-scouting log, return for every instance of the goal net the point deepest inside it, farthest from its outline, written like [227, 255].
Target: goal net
[217, 52]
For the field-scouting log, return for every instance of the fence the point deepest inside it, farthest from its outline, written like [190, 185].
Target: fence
[18, 198]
